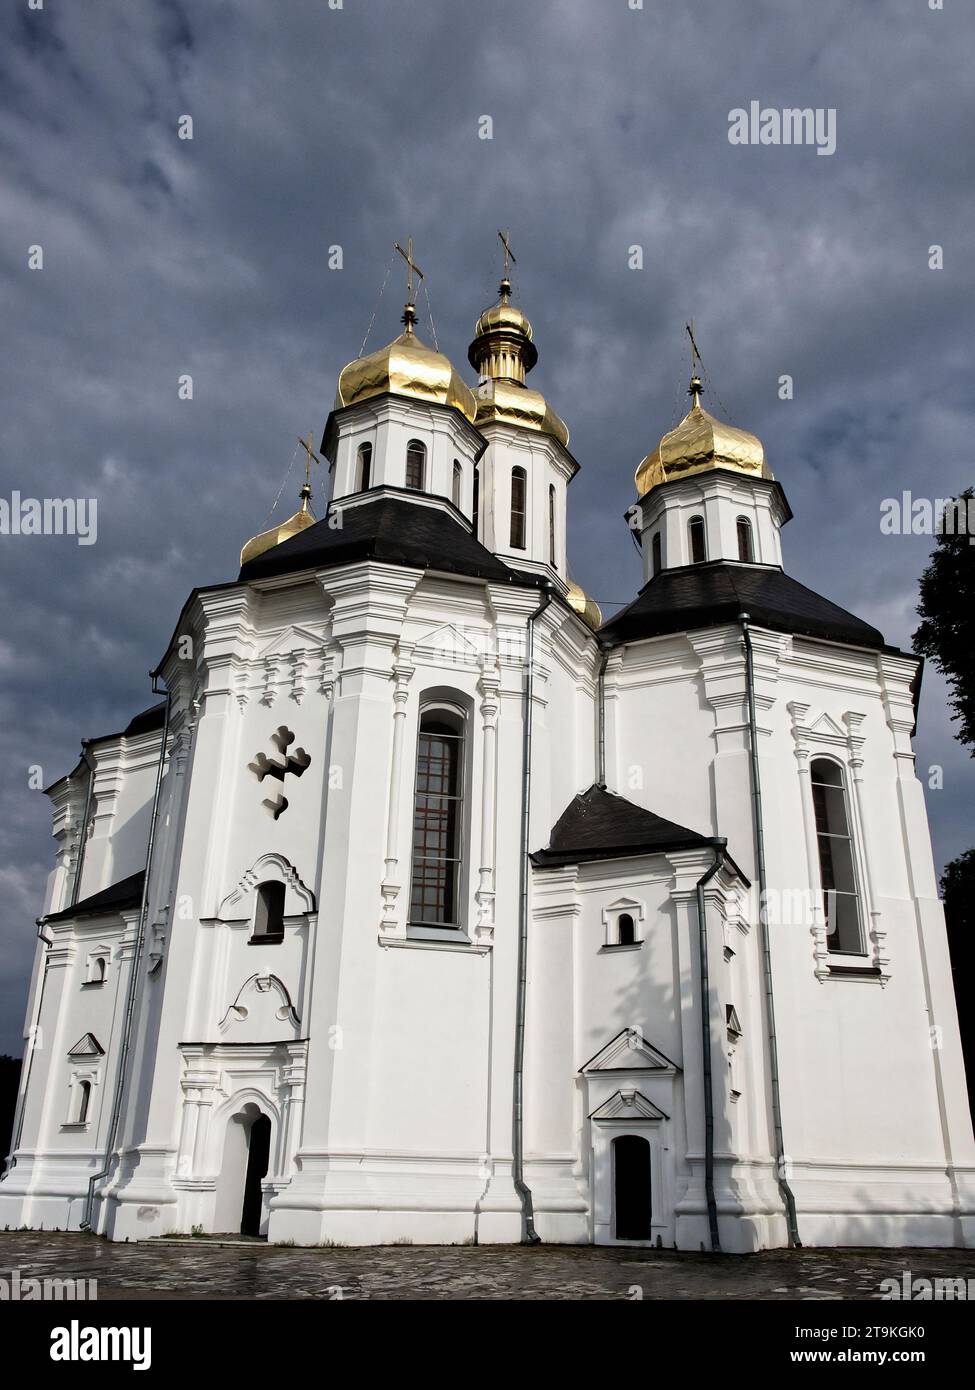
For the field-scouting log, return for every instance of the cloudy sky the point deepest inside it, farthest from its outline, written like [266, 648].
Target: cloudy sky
[316, 126]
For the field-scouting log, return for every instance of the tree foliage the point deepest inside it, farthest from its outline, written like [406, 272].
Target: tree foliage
[947, 632]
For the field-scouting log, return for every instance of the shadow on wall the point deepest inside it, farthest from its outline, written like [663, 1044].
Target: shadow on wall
[9, 1081]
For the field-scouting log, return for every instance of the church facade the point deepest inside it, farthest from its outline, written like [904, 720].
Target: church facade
[425, 906]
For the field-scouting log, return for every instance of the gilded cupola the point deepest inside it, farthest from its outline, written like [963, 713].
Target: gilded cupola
[406, 367]
[502, 354]
[700, 444]
[580, 602]
[301, 520]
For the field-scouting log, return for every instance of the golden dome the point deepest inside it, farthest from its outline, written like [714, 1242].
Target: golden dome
[406, 367]
[699, 444]
[502, 353]
[587, 608]
[301, 520]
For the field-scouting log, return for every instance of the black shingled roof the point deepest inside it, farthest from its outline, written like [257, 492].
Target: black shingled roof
[598, 824]
[124, 894]
[391, 528]
[695, 596]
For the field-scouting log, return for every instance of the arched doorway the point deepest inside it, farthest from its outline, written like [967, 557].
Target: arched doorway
[631, 1187]
[258, 1156]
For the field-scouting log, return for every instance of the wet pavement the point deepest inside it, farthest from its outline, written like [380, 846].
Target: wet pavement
[206, 1269]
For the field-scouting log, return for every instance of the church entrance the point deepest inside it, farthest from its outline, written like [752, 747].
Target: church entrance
[631, 1187]
[258, 1156]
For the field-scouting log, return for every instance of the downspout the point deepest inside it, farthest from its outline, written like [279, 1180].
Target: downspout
[773, 1048]
[719, 851]
[601, 715]
[48, 941]
[113, 1128]
[531, 1236]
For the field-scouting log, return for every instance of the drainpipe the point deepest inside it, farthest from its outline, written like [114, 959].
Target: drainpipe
[601, 715]
[719, 851]
[531, 1236]
[132, 990]
[773, 1048]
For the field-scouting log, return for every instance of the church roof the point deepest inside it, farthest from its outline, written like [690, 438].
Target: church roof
[126, 893]
[708, 595]
[390, 527]
[598, 824]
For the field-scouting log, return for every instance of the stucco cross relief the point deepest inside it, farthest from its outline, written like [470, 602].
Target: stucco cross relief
[279, 767]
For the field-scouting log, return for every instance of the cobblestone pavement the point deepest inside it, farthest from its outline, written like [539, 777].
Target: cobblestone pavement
[200, 1269]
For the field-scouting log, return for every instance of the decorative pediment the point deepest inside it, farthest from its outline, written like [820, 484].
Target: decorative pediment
[292, 639]
[299, 899]
[263, 1004]
[630, 1106]
[448, 643]
[630, 1051]
[88, 1046]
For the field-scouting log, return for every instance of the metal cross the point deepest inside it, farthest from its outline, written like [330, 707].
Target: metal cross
[509, 255]
[413, 268]
[695, 354]
[312, 457]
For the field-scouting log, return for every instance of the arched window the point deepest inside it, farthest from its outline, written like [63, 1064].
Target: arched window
[551, 526]
[416, 463]
[455, 485]
[98, 970]
[363, 467]
[476, 507]
[697, 540]
[519, 484]
[837, 868]
[656, 551]
[269, 913]
[438, 819]
[626, 929]
[745, 539]
[84, 1100]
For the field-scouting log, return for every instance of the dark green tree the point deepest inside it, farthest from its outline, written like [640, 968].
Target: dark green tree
[947, 610]
[958, 891]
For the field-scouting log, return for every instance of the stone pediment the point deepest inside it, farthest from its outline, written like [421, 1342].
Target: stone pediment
[630, 1051]
[88, 1046]
[631, 1106]
[294, 638]
[447, 642]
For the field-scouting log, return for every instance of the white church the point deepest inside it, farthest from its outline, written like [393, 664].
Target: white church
[424, 906]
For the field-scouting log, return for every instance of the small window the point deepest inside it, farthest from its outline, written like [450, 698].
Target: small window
[269, 913]
[696, 537]
[476, 507]
[456, 482]
[841, 899]
[656, 548]
[626, 929]
[551, 526]
[416, 463]
[84, 1101]
[363, 467]
[745, 540]
[519, 487]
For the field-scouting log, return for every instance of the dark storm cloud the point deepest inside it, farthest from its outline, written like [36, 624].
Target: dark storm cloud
[315, 127]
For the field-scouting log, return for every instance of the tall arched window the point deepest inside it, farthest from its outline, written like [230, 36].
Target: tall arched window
[519, 487]
[84, 1100]
[744, 527]
[837, 867]
[438, 819]
[696, 538]
[455, 484]
[363, 467]
[656, 546]
[626, 929]
[551, 526]
[269, 912]
[476, 506]
[416, 463]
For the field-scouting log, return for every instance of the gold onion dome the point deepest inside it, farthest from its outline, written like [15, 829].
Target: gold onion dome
[587, 608]
[502, 353]
[406, 367]
[301, 520]
[700, 444]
